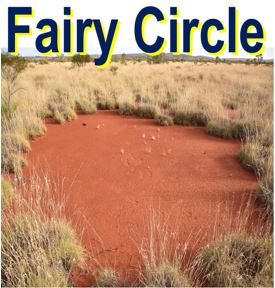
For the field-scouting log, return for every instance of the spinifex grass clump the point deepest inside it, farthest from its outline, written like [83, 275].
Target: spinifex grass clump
[107, 277]
[39, 247]
[164, 120]
[106, 103]
[86, 106]
[34, 127]
[237, 261]
[166, 274]
[264, 193]
[127, 108]
[147, 111]
[6, 193]
[162, 254]
[61, 107]
[190, 118]
[12, 145]
[38, 251]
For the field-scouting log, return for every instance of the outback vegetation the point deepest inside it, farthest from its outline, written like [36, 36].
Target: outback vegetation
[231, 101]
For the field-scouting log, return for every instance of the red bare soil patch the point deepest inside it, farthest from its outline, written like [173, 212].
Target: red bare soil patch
[115, 168]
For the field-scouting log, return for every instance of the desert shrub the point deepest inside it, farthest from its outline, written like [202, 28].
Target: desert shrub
[114, 69]
[164, 120]
[6, 192]
[17, 62]
[126, 108]
[238, 260]
[166, 275]
[33, 252]
[190, 118]
[107, 277]
[34, 127]
[147, 111]
[81, 60]
[86, 106]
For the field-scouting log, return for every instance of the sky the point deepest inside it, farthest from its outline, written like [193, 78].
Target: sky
[126, 12]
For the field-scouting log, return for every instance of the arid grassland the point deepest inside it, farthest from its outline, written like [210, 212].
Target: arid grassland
[232, 101]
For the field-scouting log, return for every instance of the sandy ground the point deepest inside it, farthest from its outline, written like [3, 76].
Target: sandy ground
[116, 170]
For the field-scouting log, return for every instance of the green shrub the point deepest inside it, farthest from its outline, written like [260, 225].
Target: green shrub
[238, 260]
[164, 120]
[147, 111]
[190, 118]
[107, 278]
[6, 192]
[126, 108]
[166, 275]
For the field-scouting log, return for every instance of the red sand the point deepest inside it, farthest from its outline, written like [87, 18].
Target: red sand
[115, 168]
